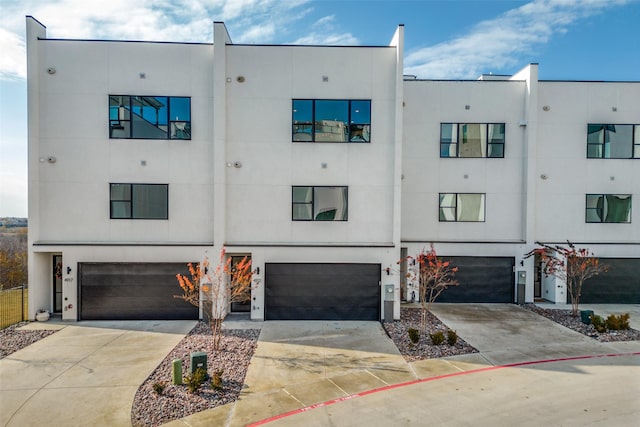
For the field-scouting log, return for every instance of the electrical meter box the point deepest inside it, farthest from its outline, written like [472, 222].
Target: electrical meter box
[198, 360]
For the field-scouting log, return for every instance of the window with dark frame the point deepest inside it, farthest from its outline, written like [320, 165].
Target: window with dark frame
[139, 201]
[608, 208]
[331, 120]
[472, 140]
[149, 117]
[319, 203]
[462, 207]
[613, 141]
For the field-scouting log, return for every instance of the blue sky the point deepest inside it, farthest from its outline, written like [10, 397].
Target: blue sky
[455, 39]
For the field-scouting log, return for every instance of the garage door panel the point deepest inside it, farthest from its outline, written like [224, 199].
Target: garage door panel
[619, 285]
[132, 291]
[482, 280]
[322, 291]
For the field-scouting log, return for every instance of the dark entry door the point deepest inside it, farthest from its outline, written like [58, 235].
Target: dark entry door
[57, 283]
[322, 291]
[132, 291]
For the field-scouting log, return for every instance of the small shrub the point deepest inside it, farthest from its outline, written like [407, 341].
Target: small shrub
[216, 381]
[414, 335]
[158, 387]
[616, 323]
[452, 337]
[437, 338]
[598, 323]
[195, 380]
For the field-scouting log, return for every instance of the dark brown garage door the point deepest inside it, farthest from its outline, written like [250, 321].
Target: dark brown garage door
[482, 280]
[132, 291]
[619, 285]
[322, 291]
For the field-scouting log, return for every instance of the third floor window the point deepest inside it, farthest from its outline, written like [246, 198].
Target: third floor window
[331, 120]
[607, 141]
[149, 117]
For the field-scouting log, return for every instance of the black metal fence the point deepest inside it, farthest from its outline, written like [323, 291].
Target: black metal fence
[13, 305]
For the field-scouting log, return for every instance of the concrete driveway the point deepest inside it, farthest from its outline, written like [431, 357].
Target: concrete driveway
[347, 374]
[86, 374]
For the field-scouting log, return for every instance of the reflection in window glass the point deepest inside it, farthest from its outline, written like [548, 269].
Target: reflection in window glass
[149, 117]
[139, 201]
[610, 141]
[319, 203]
[472, 140]
[610, 208]
[331, 120]
[463, 207]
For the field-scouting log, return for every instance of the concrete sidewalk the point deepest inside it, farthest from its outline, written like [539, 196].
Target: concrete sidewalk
[85, 374]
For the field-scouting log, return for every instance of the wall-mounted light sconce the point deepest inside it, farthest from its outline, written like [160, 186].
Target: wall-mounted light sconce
[51, 70]
[614, 109]
[257, 270]
[413, 261]
[467, 107]
[206, 270]
[521, 263]
[522, 123]
[544, 176]
[388, 270]
[546, 108]
[68, 270]
[325, 78]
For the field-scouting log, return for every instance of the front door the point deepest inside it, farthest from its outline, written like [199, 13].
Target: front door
[244, 306]
[57, 283]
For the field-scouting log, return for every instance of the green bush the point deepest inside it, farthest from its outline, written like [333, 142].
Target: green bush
[216, 381]
[437, 338]
[414, 335]
[159, 387]
[598, 323]
[195, 380]
[616, 323]
[452, 337]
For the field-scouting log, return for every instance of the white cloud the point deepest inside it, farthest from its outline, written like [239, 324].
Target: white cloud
[249, 21]
[501, 42]
[325, 33]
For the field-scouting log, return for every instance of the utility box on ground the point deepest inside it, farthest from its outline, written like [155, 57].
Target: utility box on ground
[388, 302]
[198, 360]
[522, 286]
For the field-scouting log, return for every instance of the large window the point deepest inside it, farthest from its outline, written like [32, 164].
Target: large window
[614, 208]
[472, 139]
[462, 207]
[139, 201]
[319, 203]
[149, 117]
[326, 120]
[613, 141]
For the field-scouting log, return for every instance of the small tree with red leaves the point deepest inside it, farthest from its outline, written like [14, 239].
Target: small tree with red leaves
[571, 265]
[226, 284]
[434, 276]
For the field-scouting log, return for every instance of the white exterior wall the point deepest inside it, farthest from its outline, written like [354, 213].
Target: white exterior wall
[427, 105]
[570, 175]
[259, 112]
[74, 191]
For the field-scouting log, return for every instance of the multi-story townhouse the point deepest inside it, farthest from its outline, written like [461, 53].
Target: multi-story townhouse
[323, 164]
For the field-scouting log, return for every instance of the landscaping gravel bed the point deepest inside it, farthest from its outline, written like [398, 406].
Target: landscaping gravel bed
[176, 401]
[424, 349]
[565, 318]
[12, 339]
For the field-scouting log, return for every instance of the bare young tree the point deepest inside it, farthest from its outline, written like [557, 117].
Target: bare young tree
[433, 275]
[216, 290]
[571, 265]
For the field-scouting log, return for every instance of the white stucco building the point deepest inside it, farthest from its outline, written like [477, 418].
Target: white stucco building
[323, 164]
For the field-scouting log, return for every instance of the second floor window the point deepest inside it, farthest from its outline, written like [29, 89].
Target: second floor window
[608, 208]
[330, 120]
[462, 207]
[472, 139]
[606, 141]
[139, 201]
[319, 203]
[149, 117]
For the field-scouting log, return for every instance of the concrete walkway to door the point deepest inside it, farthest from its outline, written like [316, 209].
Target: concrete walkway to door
[85, 374]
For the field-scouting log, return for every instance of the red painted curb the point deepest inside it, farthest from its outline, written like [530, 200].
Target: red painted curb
[424, 380]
